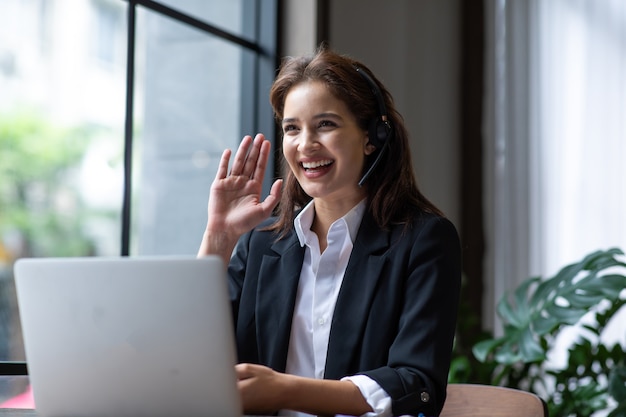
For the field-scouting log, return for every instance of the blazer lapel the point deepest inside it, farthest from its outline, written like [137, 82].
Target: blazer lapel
[277, 288]
[357, 289]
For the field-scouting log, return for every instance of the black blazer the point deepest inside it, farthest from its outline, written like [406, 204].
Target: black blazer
[395, 316]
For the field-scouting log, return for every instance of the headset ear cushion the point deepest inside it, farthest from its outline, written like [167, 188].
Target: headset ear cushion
[378, 132]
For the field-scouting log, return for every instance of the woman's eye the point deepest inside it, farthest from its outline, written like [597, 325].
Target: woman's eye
[327, 123]
[289, 128]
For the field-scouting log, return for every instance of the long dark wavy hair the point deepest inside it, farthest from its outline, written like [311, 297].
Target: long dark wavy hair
[393, 196]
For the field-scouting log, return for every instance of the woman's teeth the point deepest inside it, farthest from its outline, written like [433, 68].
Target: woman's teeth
[316, 164]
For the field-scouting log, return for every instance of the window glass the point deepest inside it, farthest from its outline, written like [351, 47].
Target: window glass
[192, 93]
[225, 15]
[61, 143]
[108, 42]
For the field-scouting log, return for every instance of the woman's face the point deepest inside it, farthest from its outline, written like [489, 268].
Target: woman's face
[323, 145]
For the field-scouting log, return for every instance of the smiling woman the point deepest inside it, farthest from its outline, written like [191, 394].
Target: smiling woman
[346, 301]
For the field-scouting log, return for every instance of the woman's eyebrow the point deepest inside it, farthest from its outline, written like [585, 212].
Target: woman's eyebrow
[317, 116]
[289, 120]
[328, 114]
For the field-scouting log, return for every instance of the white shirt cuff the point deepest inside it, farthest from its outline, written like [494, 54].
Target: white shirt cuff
[376, 397]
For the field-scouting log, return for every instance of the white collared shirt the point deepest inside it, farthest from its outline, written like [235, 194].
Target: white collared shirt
[320, 280]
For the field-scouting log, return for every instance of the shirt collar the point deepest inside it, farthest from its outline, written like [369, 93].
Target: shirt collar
[352, 219]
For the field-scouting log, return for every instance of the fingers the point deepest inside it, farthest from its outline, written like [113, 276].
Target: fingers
[244, 371]
[261, 158]
[257, 157]
[273, 197]
[247, 156]
[250, 159]
[222, 169]
[240, 157]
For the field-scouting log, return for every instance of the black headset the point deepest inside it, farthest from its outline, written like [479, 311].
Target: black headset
[379, 129]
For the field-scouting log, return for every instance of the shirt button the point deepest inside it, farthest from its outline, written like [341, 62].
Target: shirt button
[321, 321]
[425, 397]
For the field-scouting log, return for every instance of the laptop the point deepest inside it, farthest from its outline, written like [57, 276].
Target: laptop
[128, 336]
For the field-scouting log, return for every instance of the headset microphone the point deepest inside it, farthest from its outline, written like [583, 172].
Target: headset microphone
[380, 130]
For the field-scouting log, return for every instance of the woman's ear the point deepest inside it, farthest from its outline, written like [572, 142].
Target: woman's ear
[369, 148]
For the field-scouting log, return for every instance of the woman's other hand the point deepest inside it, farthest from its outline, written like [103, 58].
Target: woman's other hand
[261, 388]
[265, 391]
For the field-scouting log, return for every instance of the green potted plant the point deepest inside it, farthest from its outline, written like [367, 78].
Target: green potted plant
[588, 295]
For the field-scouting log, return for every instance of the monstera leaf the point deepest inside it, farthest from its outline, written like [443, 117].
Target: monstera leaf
[538, 308]
[532, 317]
[617, 390]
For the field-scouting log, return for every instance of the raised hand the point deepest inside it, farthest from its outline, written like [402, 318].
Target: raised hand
[235, 205]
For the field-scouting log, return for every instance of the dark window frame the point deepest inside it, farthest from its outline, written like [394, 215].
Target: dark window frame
[260, 73]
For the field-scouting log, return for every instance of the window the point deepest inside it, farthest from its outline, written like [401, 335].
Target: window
[115, 155]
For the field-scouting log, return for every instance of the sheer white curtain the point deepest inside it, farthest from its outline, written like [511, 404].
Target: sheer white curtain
[555, 136]
[581, 127]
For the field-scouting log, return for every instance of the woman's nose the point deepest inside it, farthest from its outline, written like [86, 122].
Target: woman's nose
[308, 141]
